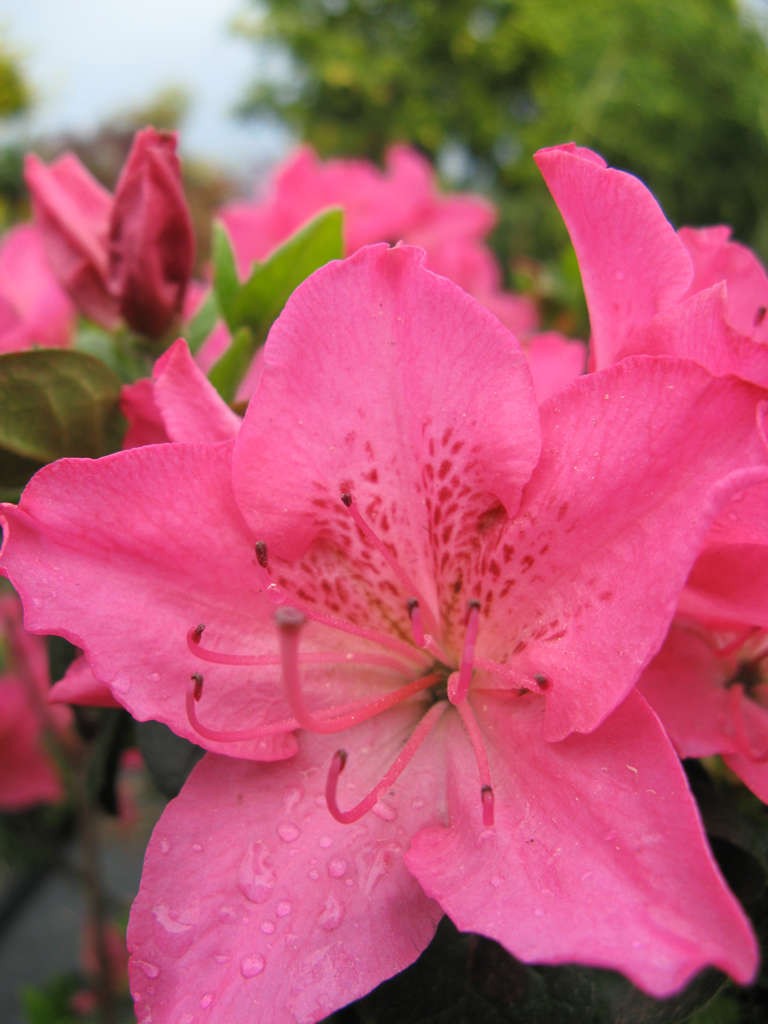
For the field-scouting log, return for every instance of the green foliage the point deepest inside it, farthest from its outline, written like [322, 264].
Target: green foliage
[15, 95]
[674, 92]
[250, 308]
[54, 403]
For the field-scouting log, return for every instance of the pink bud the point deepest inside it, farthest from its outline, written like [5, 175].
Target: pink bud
[72, 212]
[151, 244]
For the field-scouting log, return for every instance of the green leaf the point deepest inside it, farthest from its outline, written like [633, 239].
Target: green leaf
[203, 322]
[226, 283]
[251, 308]
[263, 295]
[230, 368]
[54, 403]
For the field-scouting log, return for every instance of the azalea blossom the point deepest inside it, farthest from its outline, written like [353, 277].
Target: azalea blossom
[404, 609]
[28, 773]
[126, 256]
[693, 293]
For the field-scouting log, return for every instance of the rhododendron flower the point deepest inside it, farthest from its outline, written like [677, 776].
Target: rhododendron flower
[130, 255]
[28, 774]
[400, 204]
[410, 606]
[649, 288]
[33, 308]
[709, 686]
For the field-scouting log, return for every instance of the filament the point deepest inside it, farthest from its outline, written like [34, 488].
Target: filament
[339, 760]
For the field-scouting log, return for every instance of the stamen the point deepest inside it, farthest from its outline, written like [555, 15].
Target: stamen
[464, 677]
[760, 315]
[417, 626]
[257, 732]
[274, 591]
[339, 760]
[486, 796]
[289, 623]
[368, 532]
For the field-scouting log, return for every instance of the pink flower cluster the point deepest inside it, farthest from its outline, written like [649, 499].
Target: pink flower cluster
[416, 617]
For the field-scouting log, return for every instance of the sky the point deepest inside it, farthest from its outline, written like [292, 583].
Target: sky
[87, 59]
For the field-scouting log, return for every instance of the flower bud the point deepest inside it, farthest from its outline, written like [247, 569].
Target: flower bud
[151, 243]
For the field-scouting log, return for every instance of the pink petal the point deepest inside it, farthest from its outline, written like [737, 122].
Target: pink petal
[285, 914]
[632, 262]
[395, 373]
[717, 258]
[685, 684]
[697, 328]
[597, 856]
[126, 554]
[555, 361]
[588, 574]
[80, 686]
[41, 312]
[189, 405]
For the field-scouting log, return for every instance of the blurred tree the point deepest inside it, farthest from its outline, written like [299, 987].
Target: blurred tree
[675, 93]
[15, 94]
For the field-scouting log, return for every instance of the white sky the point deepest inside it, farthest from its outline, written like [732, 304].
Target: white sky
[88, 58]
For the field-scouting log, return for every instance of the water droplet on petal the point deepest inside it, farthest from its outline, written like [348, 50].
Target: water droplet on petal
[291, 798]
[314, 874]
[165, 846]
[283, 908]
[495, 881]
[222, 958]
[337, 867]
[325, 842]
[251, 966]
[331, 915]
[256, 877]
[288, 832]
[384, 811]
[197, 847]
[206, 1001]
[268, 926]
[151, 970]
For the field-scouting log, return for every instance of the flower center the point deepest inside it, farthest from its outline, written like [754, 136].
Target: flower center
[440, 685]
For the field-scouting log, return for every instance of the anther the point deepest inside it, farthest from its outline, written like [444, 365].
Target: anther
[197, 688]
[760, 315]
[486, 797]
[195, 635]
[541, 681]
[261, 553]
[346, 499]
[417, 625]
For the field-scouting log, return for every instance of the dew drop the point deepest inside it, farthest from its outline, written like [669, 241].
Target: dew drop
[165, 846]
[256, 878]
[206, 1001]
[384, 811]
[197, 847]
[325, 842]
[268, 926]
[283, 908]
[495, 881]
[251, 966]
[337, 867]
[331, 915]
[221, 958]
[288, 832]
[151, 970]
[291, 798]
[314, 874]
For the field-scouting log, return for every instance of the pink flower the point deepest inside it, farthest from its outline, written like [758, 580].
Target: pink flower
[709, 686]
[33, 308]
[410, 607]
[399, 204]
[649, 288]
[28, 774]
[126, 256]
